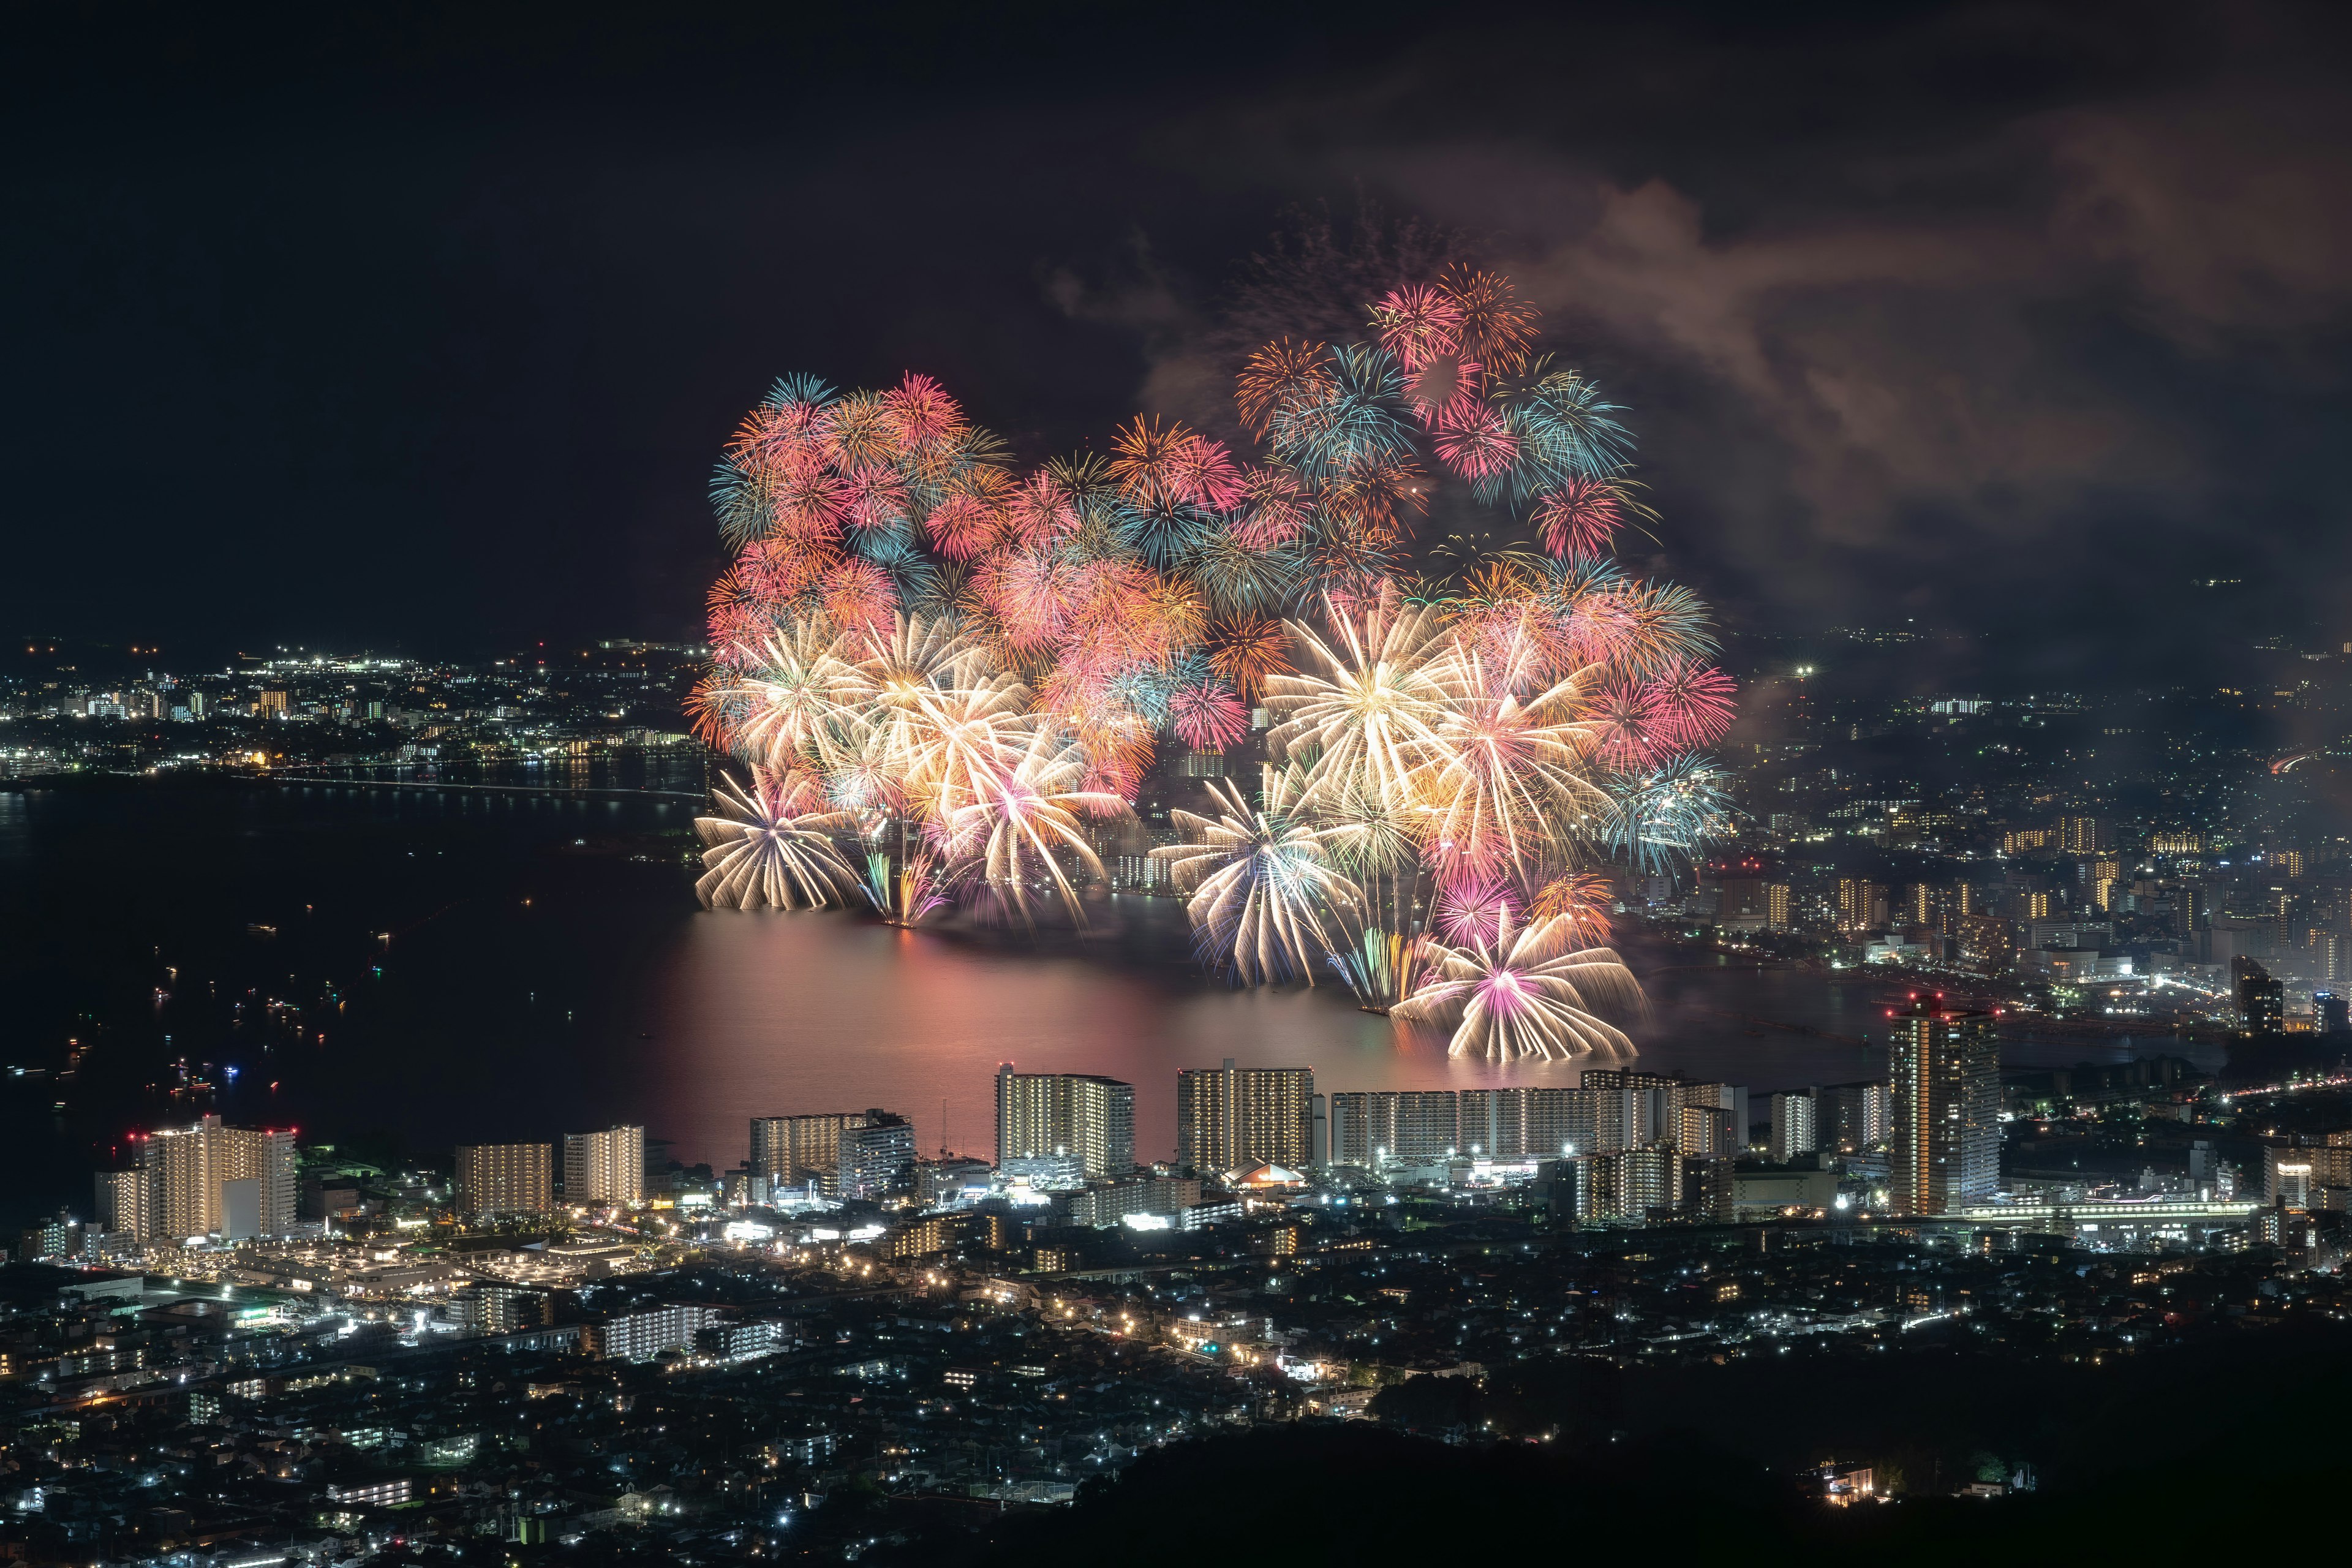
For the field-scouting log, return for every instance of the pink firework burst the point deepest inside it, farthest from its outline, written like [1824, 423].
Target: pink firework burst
[1207, 718]
[1475, 440]
[1474, 909]
[962, 526]
[1041, 511]
[1202, 472]
[876, 497]
[858, 595]
[922, 414]
[1580, 517]
[809, 500]
[1273, 508]
[1623, 725]
[1690, 704]
[1417, 324]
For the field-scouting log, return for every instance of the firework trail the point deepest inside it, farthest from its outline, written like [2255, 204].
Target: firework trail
[773, 847]
[1528, 991]
[1261, 887]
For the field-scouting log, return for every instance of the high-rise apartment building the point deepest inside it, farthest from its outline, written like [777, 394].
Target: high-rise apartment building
[799, 1151]
[2084, 835]
[1860, 905]
[2262, 1000]
[1849, 1118]
[1395, 1127]
[794, 1150]
[876, 1160]
[1947, 1095]
[604, 1168]
[126, 1203]
[1632, 1108]
[234, 1182]
[1795, 1128]
[1776, 906]
[1624, 1185]
[1530, 1123]
[506, 1178]
[1087, 1118]
[1229, 1117]
[1918, 904]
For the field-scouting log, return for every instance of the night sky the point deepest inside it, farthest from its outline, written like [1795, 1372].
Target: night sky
[420, 330]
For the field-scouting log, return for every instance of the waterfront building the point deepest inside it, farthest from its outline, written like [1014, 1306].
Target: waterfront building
[1794, 1128]
[793, 1151]
[506, 1178]
[1391, 1127]
[1946, 1097]
[604, 1168]
[1529, 1123]
[877, 1159]
[1229, 1117]
[234, 1182]
[1078, 1115]
[126, 1203]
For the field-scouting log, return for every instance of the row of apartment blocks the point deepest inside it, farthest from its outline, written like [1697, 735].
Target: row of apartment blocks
[241, 1183]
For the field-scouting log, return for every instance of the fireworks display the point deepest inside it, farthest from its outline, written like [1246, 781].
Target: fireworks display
[958, 674]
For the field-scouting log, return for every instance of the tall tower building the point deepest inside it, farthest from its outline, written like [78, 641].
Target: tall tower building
[2262, 1000]
[794, 1150]
[1862, 906]
[126, 1203]
[236, 1181]
[877, 1159]
[607, 1167]
[1228, 1116]
[1946, 1095]
[1089, 1119]
[1776, 906]
[1795, 1127]
[506, 1178]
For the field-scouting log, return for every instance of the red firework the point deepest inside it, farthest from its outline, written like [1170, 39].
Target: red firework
[1418, 324]
[1623, 725]
[962, 526]
[809, 501]
[1207, 718]
[876, 497]
[1581, 518]
[922, 414]
[1273, 510]
[1202, 472]
[859, 594]
[1041, 511]
[1690, 704]
[1475, 440]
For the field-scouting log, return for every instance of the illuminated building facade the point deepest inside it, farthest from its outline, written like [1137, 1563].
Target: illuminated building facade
[1089, 1118]
[506, 1178]
[1229, 1117]
[1946, 1097]
[607, 1167]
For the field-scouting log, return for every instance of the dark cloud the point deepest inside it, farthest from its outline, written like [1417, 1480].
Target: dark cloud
[2005, 317]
